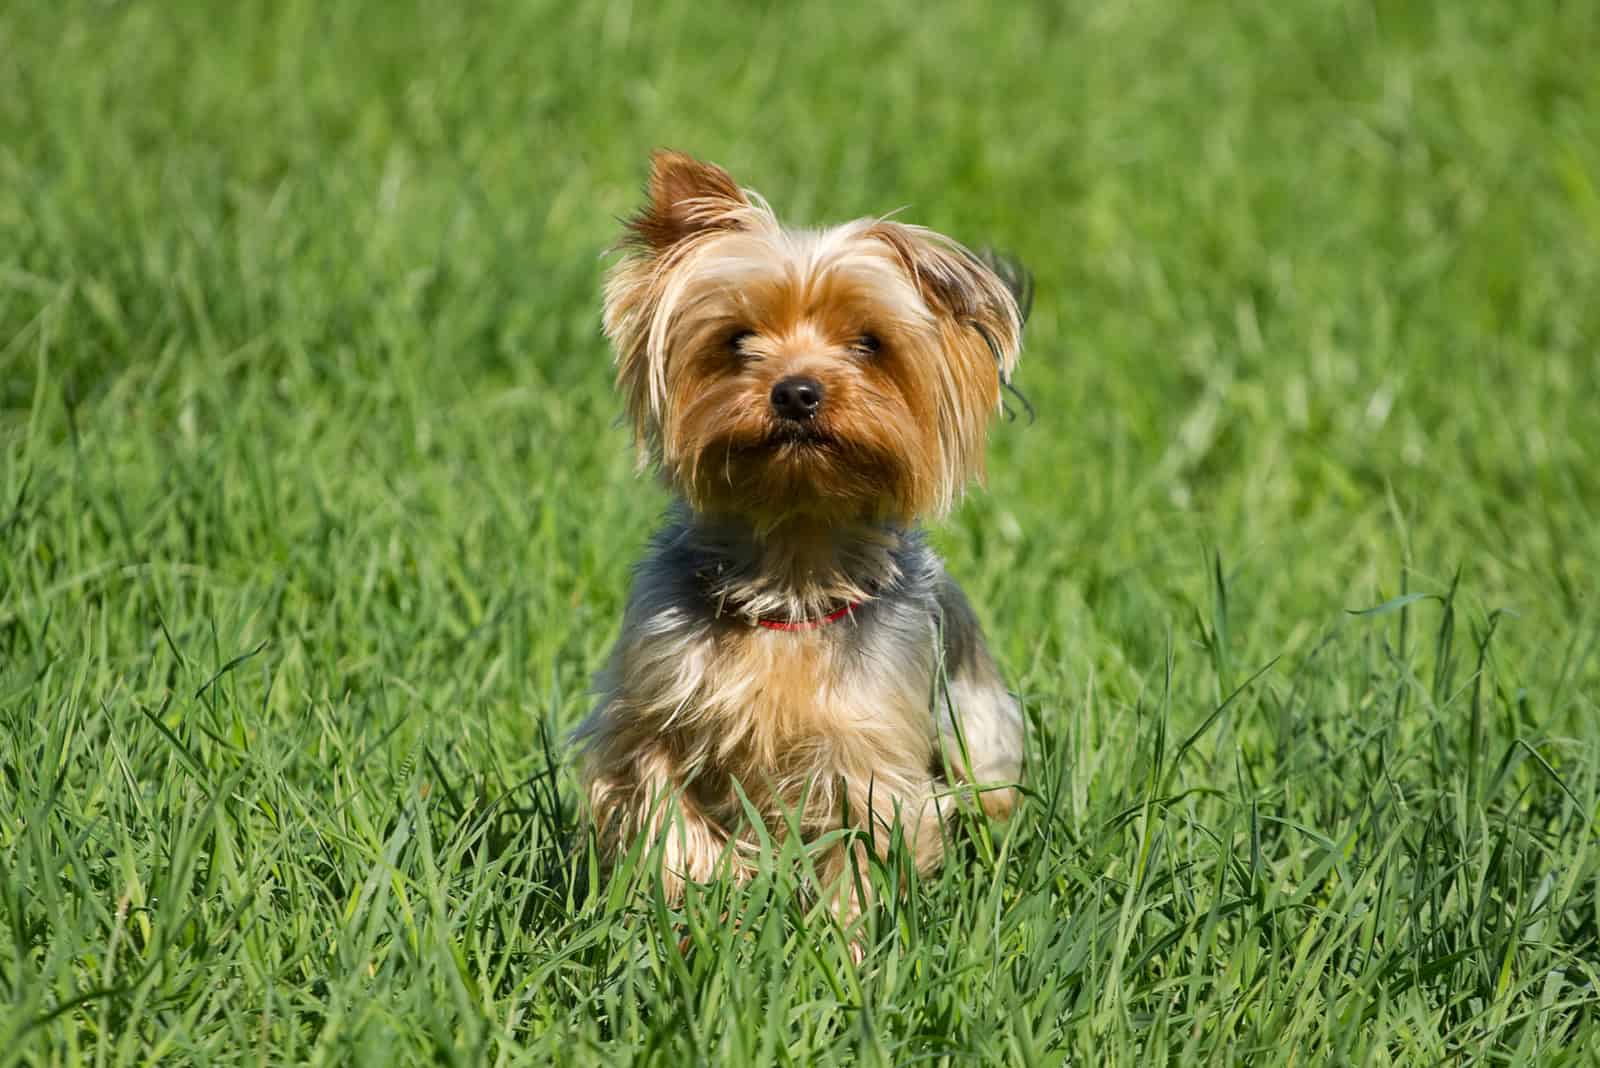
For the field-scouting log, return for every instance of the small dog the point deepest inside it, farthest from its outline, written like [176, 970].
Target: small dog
[808, 396]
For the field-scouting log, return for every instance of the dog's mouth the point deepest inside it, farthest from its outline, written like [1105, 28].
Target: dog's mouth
[795, 436]
[797, 468]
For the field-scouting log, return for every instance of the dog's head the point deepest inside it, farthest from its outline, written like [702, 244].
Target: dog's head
[843, 374]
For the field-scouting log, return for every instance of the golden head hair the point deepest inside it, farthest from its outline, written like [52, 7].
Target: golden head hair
[906, 334]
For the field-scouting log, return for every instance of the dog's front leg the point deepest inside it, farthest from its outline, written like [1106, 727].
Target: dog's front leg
[648, 794]
[980, 723]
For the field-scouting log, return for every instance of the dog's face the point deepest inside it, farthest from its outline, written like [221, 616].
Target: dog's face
[840, 375]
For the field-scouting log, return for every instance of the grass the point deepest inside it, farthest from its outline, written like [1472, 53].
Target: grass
[315, 520]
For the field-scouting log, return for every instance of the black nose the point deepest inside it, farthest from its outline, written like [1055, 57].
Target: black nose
[797, 397]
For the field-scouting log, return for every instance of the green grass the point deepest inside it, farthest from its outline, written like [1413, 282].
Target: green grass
[315, 520]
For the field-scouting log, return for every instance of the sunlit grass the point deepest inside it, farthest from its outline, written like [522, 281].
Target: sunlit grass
[315, 521]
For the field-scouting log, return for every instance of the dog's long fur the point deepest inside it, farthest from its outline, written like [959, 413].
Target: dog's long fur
[729, 668]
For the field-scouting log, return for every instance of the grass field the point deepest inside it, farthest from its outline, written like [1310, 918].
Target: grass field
[315, 520]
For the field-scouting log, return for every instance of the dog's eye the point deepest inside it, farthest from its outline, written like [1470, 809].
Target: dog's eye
[866, 345]
[737, 339]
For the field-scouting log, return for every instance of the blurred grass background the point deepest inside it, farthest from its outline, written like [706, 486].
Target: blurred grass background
[300, 363]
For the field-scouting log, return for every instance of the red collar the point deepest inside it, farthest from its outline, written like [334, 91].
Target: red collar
[809, 624]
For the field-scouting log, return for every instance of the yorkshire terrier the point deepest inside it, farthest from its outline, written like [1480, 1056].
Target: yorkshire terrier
[792, 649]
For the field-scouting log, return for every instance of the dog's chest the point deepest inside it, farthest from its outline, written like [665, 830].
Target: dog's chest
[819, 696]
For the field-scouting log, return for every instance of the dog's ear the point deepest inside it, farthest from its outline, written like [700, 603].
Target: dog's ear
[1014, 274]
[687, 196]
[969, 289]
[686, 199]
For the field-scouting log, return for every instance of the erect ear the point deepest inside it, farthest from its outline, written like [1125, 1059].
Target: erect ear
[965, 288]
[686, 196]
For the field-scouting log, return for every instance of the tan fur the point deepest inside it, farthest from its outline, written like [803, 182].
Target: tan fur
[909, 336]
[784, 715]
[951, 333]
